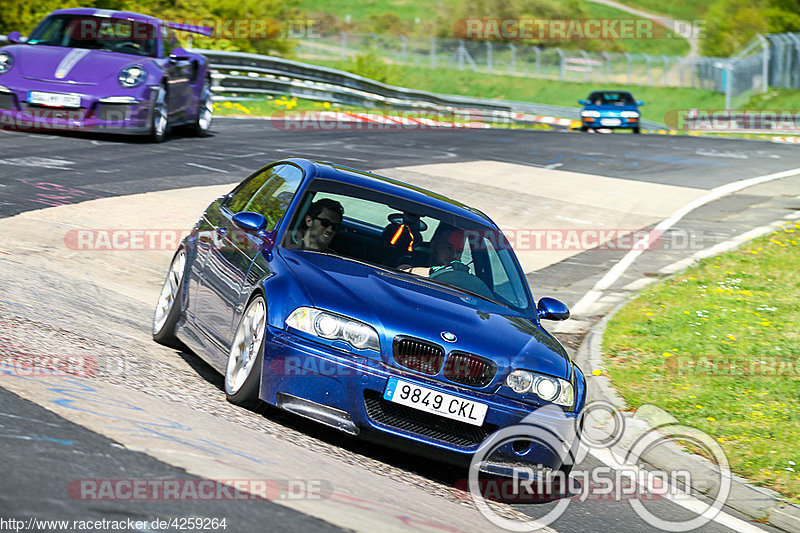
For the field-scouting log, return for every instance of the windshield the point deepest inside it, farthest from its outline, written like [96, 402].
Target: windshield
[619, 99]
[97, 33]
[412, 239]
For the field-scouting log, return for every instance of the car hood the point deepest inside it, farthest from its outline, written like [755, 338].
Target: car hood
[77, 65]
[398, 304]
[612, 110]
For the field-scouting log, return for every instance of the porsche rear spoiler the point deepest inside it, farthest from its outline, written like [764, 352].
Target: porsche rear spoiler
[202, 30]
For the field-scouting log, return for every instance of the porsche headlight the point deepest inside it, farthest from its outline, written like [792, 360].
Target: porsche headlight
[595, 114]
[334, 327]
[132, 76]
[6, 62]
[548, 388]
[629, 114]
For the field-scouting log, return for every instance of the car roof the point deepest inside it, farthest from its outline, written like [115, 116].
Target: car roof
[612, 92]
[108, 13]
[393, 187]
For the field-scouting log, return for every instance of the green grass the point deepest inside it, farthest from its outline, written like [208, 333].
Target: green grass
[668, 45]
[782, 99]
[680, 9]
[361, 10]
[658, 100]
[719, 348]
[411, 10]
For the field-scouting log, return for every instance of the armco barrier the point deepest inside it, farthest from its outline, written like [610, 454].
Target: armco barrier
[243, 73]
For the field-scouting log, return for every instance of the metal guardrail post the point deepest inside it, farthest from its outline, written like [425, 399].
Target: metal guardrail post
[403, 49]
[512, 62]
[764, 63]
[343, 44]
[538, 52]
[607, 67]
[665, 81]
[433, 52]
[489, 65]
[561, 64]
[630, 73]
[728, 84]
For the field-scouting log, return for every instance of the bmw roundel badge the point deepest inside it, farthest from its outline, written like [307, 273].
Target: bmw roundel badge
[449, 337]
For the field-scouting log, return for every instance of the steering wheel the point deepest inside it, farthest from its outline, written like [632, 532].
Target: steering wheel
[129, 44]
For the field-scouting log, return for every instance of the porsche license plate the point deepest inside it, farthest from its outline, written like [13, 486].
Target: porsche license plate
[54, 99]
[610, 122]
[438, 403]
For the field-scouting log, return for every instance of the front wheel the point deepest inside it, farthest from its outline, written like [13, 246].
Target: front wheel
[168, 309]
[636, 130]
[159, 116]
[243, 372]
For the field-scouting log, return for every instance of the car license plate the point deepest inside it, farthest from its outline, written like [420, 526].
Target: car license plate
[438, 403]
[610, 122]
[54, 99]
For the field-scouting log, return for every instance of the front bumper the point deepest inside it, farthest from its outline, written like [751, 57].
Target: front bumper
[119, 113]
[354, 385]
[609, 122]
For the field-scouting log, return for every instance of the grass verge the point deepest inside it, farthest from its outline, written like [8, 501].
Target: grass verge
[718, 347]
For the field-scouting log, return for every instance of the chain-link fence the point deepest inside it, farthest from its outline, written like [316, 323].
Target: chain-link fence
[773, 60]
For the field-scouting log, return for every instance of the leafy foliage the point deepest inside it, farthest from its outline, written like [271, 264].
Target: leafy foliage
[243, 25]
[731, 24]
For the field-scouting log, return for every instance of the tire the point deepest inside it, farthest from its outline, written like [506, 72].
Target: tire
[584, 129]
[636, 130]
[205, 112]
[159, 118]
[168, 308]
[246, 356]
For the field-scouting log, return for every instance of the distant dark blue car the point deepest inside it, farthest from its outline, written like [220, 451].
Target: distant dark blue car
[610, 110]
[372, 306]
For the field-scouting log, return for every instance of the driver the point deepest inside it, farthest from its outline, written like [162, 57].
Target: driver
[447, 245]
[320, 223]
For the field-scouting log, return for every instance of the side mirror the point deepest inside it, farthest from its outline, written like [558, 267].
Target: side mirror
[14, 37]
[551, 309]
[583, 102]
[249, 221]
[178, 54]
[639, 102]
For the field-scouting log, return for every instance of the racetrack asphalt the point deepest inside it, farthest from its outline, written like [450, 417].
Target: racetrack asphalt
[38, 171]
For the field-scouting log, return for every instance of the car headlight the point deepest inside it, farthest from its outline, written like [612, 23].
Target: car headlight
[132, 76]
[595, 114]
[6, 62]
[547, 388]
[334, 327]
[629, 114]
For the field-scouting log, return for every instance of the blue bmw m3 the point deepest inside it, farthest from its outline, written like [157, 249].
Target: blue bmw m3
[372, 306]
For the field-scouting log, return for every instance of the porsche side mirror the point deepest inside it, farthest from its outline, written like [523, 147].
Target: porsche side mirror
[178, 54]
[14, 37]
[639, 102]
[551, 309]
[583, 102]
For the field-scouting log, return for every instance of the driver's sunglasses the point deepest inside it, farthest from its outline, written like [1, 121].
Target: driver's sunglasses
[328, 224]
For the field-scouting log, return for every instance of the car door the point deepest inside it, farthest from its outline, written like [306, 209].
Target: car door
[179, 75]
[231, 251]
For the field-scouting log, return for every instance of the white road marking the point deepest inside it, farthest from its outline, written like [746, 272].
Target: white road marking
[585, 303]
[691, 503]
[41, 162]
[207, 168]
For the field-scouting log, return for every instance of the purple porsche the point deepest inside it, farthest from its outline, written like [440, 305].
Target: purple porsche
[104, 70]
